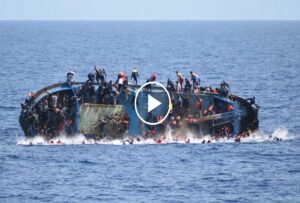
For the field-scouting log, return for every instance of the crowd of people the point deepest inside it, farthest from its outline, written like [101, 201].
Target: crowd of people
[58, 111]
[182, 84]
[50, 116]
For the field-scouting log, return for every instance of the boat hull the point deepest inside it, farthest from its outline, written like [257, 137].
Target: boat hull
[82, 113]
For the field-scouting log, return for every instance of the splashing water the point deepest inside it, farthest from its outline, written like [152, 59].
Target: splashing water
[279, 134]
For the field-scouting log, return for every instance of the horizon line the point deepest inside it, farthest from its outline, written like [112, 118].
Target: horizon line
[149, 20]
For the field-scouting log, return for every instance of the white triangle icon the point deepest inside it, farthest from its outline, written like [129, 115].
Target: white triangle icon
[152, 103]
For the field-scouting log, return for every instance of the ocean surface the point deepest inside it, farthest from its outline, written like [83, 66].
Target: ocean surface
[260, 59]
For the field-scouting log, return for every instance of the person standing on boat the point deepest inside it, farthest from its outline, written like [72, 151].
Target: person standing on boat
[135, 76]
[121, 81]
[89, 91]
[187, 87]
[170, 85]
[224, 89]
[152, 78]
[100, 74]
[195, 79]
[180, 80]
[70, 78]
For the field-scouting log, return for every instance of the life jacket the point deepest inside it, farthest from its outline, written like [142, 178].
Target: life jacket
[174, 122]
[152, 132]
[159, 118]
[199, 103]
[126, 122]
[121, 74]
[153, 77]
[230, 107]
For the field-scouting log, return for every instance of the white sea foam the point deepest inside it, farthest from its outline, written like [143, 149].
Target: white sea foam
[279, 134]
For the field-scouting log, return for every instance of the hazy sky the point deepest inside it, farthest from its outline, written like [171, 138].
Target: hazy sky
[149, 9]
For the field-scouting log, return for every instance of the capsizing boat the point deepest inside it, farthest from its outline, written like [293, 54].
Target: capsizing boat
[88, 108]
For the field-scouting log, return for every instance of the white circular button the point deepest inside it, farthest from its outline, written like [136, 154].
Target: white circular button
[153, 103]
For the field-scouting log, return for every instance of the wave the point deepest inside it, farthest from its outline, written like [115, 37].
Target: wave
[279, 134]
[9, 108]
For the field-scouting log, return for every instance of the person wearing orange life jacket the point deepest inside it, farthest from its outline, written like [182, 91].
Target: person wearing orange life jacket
[159, 119]
[121, 80]
[209, 111]
[151, 79]
[216, 91]
[180, 80]
[230, 107]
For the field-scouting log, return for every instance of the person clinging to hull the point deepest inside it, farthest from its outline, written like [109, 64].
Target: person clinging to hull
[135, 76]
[89, 91]
[55, 119]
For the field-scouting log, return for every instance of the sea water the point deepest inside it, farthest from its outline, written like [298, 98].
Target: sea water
[258, 59]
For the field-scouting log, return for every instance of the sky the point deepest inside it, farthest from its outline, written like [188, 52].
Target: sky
[149, 9]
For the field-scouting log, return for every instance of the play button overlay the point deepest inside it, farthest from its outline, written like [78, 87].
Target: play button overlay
[152, 103]
[152, 100]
